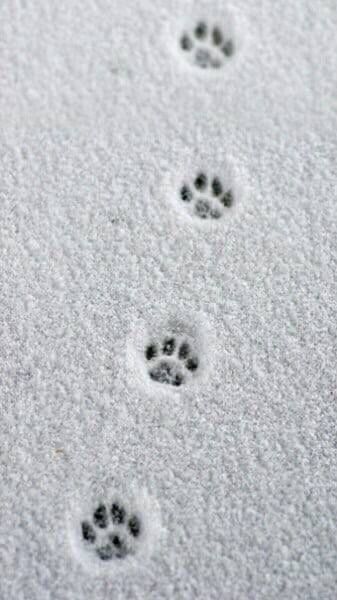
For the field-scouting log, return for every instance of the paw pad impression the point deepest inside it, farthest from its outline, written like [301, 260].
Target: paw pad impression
[114, 528]
[206, 198]
[111, 532]
[171, 361]
[206, 45]
[171, 351]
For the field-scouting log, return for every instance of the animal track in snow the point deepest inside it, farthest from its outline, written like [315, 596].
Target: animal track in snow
[206, 198]
[171, 361]
[111, 532]
[207, 46]
[170, 352]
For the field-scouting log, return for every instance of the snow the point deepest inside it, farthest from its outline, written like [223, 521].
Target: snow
[233, 472]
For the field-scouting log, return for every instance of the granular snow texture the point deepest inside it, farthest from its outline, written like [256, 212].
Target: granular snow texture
[168, 259]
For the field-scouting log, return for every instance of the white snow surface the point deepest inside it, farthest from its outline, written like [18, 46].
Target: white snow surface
[233, 472]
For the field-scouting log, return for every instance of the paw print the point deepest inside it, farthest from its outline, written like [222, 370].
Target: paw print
[172, 362]
[206, 199]
[111, 533]
[207, 47]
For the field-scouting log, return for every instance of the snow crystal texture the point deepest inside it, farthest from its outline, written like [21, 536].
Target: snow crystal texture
[168, 259]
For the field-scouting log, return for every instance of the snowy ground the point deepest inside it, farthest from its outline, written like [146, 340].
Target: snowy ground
[168, 239]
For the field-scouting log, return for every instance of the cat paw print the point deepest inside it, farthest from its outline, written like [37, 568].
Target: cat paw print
[172, 361]
[206, 198]
[207, 46]
[111, 533]
[110, 530]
